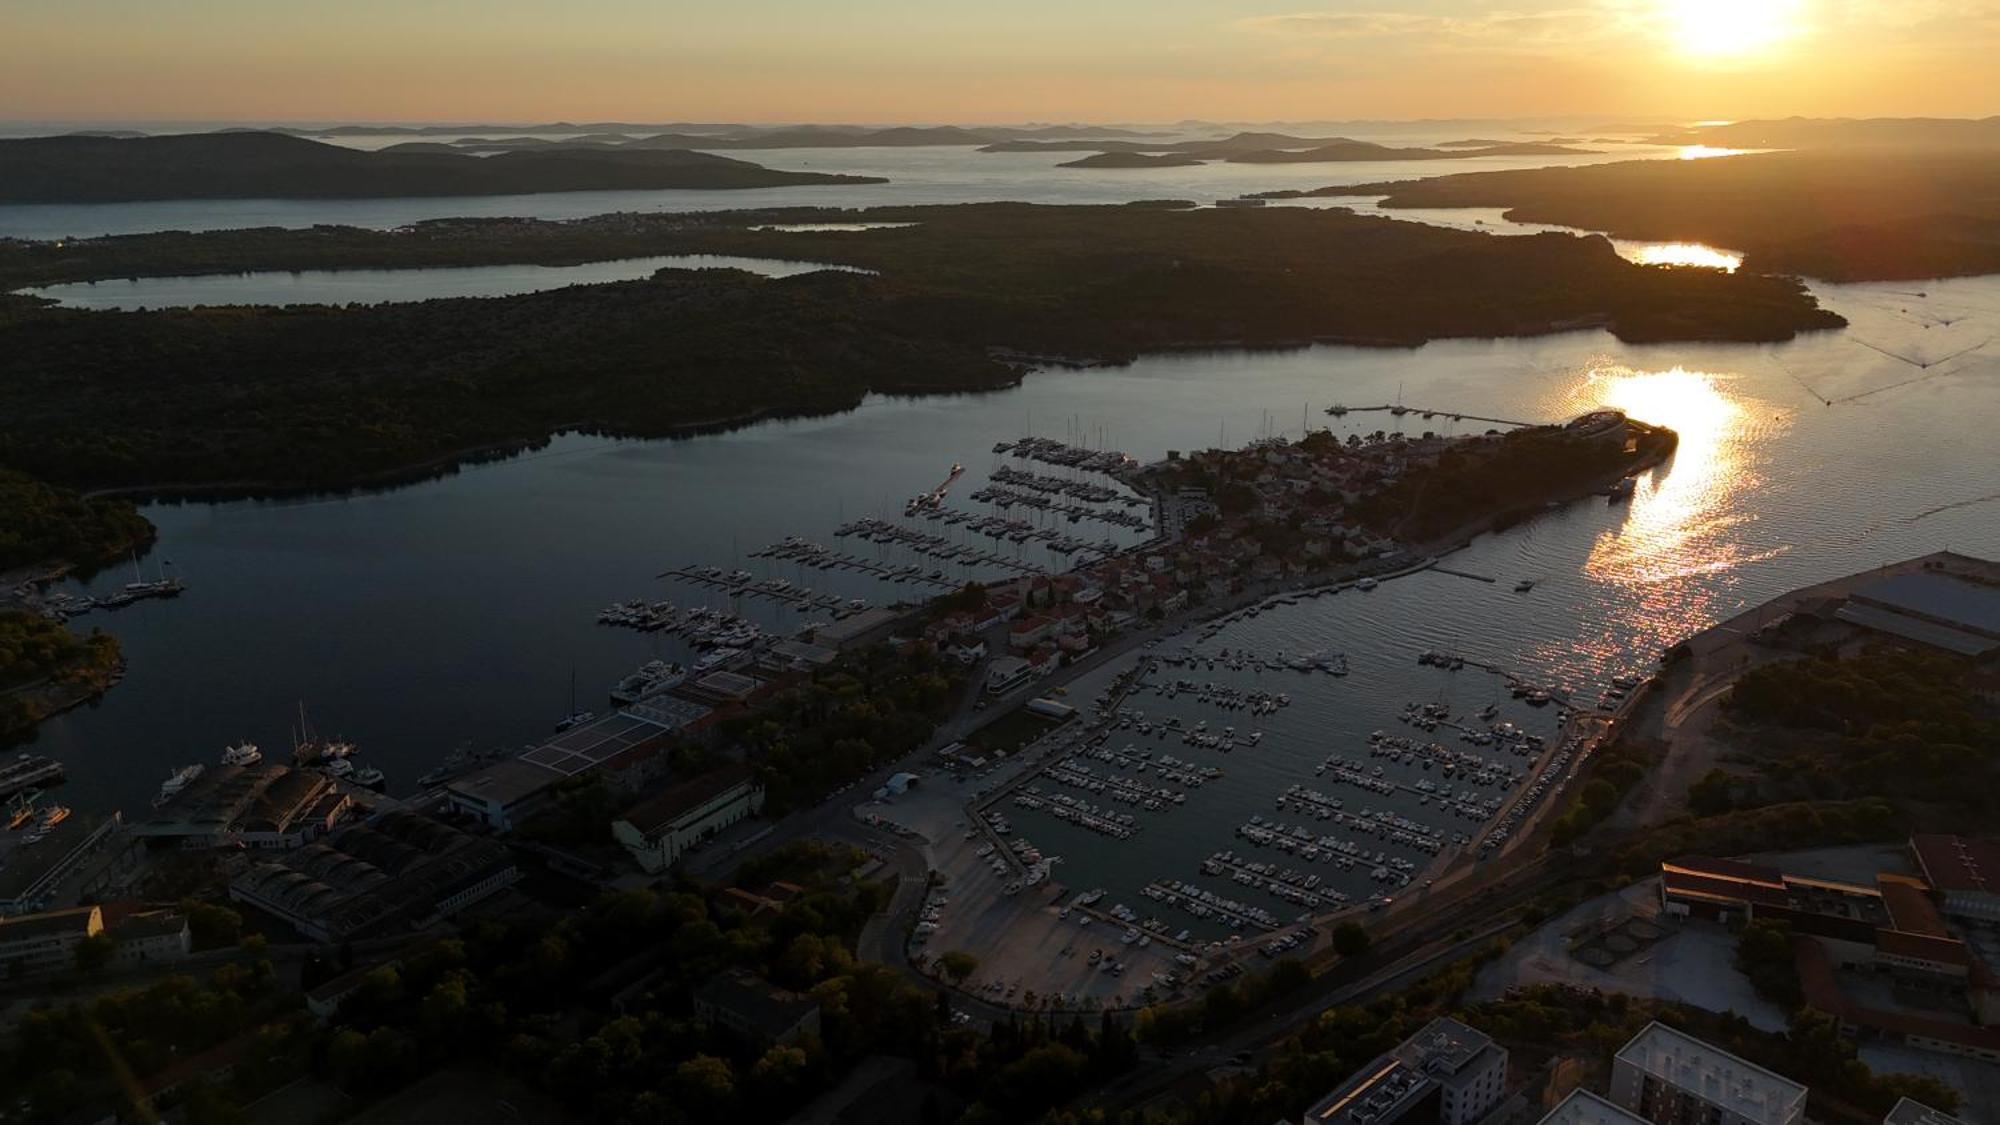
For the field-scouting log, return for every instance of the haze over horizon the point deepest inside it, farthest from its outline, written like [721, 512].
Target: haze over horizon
[896, 61]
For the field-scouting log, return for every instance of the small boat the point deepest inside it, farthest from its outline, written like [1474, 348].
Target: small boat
[576, 717]
[53, 817]
[242, 754]
[1366, 584]
[369, 776]
[1524, 585]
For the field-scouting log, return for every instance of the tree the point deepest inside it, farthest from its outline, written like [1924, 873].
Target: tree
[1711, 795]
[211, 926]
[958, 965]
[94, 952]
[706, 1086]
[1350, 940]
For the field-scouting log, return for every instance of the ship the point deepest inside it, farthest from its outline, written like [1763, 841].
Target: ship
[651, 677]
[27, 771]
[178, 780]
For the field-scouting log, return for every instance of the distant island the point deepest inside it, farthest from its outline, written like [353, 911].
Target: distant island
[1275, 148]
[259, 165]
[1839, 213]
[1132, 160]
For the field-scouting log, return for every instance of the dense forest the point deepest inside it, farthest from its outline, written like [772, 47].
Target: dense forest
[1519, 473]
[1889, 722]
[874, 706]
[41, 523]
[307, 396]
[44, 666]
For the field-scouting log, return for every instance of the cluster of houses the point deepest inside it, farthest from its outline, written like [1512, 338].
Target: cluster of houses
[1234, 519]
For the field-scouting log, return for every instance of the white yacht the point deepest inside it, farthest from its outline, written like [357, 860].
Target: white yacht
[178, 780]
[242, 754]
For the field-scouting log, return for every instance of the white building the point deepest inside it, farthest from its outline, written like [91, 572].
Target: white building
[46, 943]
[1668, 1075]
[1447, 1073]
[659, 831]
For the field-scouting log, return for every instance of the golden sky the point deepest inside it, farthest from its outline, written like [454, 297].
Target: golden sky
[953, 60]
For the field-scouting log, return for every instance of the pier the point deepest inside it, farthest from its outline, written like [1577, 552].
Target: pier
[772, 589]
[1399, 411]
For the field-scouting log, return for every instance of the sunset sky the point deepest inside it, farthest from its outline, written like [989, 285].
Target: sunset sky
[940, 60]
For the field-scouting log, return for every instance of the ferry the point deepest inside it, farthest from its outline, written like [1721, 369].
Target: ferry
[242, 754]
[178, 780]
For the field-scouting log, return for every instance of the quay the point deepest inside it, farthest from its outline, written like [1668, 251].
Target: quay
[27, 771]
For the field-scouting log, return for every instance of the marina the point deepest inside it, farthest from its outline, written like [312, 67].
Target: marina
[1611, 585]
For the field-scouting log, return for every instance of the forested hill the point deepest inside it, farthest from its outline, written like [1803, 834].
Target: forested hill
[256, 165]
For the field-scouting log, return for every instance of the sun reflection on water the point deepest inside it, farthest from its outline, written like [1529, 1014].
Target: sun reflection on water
[1686, 519]
[1687, 254]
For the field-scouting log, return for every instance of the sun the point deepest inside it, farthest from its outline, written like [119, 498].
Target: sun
[1728, 29]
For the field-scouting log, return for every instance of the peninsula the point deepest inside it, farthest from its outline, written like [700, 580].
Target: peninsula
[1849, 213]
[258, 165]
[321, 396]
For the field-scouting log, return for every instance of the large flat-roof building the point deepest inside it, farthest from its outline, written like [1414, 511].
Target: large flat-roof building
[661, 829]
[400, 870]
[756, 1009]
[1965, 871]
[1669, 1077]
[1951, 604]
[624, 743]
[1445, 1074]
[1585, 1108]
[266, 806]
[1909, 1111]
